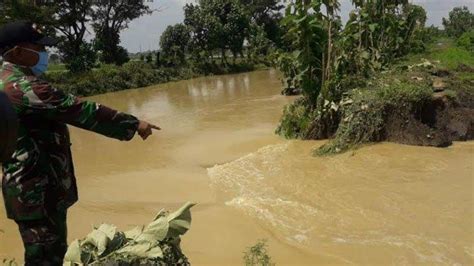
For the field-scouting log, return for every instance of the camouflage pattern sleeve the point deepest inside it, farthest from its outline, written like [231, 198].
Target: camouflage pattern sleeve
[56, 105]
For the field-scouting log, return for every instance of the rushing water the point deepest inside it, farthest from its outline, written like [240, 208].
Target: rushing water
[382, 204]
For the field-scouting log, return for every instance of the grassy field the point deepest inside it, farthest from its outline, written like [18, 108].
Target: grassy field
[446, 52]
[56, 67]
[448, 55]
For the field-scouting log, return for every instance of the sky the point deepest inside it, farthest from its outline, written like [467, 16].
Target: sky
[143, 34]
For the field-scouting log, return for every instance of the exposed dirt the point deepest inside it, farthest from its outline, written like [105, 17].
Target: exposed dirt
[448, 116]
[437, 123]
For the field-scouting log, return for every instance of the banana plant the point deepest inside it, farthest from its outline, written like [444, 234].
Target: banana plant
[311, 33]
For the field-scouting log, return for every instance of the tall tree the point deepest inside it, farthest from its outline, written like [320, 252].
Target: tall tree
[460, 20]
[174, 44]
[109, 19]
[218, 25]
[377, 32]
[333, 25]
[258, 43]
[199, 46]
[35, 11]
[68, 18]
[71, 19]
[266, 14]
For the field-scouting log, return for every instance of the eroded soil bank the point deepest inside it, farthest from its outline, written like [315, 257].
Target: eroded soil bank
[447, 116]
[419, 105]
[422, 99]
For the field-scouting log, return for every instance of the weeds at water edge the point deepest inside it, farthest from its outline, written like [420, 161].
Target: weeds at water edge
[257, 255]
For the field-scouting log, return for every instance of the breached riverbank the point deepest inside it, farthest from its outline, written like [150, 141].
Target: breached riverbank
[417, 101]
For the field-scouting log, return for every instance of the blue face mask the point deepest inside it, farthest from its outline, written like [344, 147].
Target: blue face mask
[42, 64]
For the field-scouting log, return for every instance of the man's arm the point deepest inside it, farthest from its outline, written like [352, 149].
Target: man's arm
[56, 105]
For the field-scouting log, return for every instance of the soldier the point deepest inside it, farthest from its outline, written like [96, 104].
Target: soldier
[38, 182]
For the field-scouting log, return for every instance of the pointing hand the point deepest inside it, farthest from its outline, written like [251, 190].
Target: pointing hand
[145, 129]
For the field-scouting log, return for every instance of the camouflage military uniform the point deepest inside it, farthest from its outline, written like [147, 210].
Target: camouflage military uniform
[38, 183]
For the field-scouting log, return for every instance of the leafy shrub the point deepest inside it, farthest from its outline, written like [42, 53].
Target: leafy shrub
[135, 74]
[259, 45]
[84, 61]
[107, 78]
[296, 120]
[257, 255]
[467, 41]
[155, 244]
[287, 63]
[460, 20]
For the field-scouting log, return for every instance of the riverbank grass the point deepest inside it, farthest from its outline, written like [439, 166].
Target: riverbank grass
[135, 74]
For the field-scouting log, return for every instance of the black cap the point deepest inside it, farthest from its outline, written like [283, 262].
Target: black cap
[22, 31]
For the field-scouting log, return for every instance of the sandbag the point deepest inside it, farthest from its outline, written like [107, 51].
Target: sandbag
[8, 128]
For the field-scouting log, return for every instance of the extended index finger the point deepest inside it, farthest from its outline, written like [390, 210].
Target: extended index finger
[155, 127]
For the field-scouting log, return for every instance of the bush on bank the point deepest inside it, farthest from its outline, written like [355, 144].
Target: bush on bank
[467, 41]
[108, 78]
[134, 74]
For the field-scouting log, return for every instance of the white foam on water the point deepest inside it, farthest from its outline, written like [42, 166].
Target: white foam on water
[247, 179]
[343, 204]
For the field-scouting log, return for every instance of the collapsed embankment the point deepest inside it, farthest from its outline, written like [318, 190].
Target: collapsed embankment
[420, 104]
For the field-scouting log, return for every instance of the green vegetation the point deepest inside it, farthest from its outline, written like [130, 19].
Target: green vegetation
[309, 35]
[460, 20]
[452, 57]
[444, 50]
[209, 41]
[154, 244]
[449, 55]
[375, 35]
[174, 43]
[111, 78]
[365, 110]
[134, 74]
[466, 41]
[69, 19]
[328, 62]
[364, 114]
[384, 68]
[57, 68]
[257, 255]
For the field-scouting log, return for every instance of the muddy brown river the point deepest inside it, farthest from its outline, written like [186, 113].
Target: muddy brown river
[382, 204]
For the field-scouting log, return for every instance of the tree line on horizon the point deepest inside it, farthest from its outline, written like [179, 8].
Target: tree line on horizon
[259, 30]
[217, 27]
[209, 26]
[71, 20]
